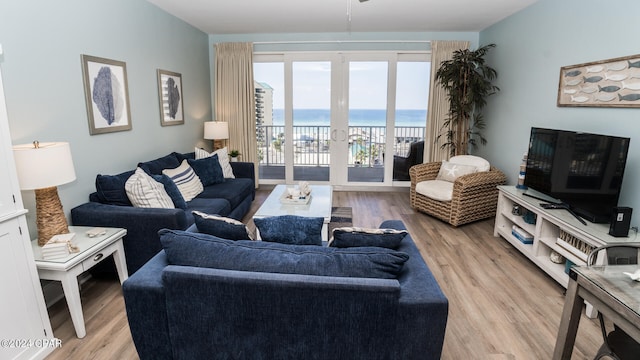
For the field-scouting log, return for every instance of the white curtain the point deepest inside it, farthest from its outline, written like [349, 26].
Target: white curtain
[438, 108]
[235, 98]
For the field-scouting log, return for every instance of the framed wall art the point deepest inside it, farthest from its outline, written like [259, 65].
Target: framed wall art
[106, 94]
[170, 94]
[607, 83]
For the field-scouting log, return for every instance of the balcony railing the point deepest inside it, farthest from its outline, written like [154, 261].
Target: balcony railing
[311, 144]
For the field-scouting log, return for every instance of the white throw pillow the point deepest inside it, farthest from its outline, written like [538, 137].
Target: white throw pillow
[436, 189]
[223, 158]
[144, 192]
[450, 171]
[186, 180]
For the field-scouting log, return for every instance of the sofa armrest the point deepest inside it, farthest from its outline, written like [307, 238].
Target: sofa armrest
[423, 172]
[420, 294]
[243, 169]
[145, 303]
[142, 241]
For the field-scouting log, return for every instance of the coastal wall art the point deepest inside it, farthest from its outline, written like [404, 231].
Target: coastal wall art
[106, 94]
[607, 83]
[170, 94]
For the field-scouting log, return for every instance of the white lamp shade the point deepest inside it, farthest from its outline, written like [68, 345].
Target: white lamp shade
[48, 165]
[216, 130]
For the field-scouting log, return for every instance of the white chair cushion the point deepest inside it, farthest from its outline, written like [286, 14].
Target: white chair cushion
[471, 160]
[436, 189]
[451, 171]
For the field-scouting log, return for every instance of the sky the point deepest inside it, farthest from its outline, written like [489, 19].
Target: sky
[367, 80]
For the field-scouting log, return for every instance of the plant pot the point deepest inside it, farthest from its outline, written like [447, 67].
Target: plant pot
[234, 159]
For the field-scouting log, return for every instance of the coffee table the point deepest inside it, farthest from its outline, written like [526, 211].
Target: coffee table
[319, 206]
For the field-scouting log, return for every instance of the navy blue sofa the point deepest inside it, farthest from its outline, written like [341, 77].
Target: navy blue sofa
[110, 207]
[193, 312]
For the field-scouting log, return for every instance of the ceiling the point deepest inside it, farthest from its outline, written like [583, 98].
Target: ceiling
[305, 16]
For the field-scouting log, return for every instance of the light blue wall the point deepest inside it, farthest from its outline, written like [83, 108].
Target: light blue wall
[532, 46]
[41, 68]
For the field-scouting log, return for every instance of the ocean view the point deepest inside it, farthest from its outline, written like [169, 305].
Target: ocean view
[359, 117]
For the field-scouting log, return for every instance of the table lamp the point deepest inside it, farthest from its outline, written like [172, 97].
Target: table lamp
[42, 167]
[216, 131]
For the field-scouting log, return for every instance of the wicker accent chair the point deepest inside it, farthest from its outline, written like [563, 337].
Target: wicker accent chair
[475, 196]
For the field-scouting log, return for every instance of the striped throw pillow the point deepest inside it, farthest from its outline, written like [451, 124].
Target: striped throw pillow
[144, 192]
[186, 179]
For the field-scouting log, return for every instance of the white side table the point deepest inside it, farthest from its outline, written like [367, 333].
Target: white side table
[67, 269]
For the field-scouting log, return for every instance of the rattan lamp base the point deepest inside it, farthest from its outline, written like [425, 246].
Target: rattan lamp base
[50, 218]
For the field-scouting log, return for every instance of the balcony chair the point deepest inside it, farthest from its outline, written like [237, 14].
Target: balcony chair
[458, 191]
[617, 344]
[402, 164]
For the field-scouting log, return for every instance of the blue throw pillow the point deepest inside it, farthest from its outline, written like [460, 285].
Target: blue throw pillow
[155, 167]
[208, 170]
[172, 189]
[353, 236]
[222, 227]
[291, 229]
[110, 188]
[202, 250]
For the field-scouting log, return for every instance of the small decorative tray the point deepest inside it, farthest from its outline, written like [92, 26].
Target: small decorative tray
[297, 200]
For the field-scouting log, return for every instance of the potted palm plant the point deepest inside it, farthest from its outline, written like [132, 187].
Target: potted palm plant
[467, 80]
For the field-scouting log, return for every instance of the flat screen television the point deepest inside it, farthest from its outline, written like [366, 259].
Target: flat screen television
[581, 170]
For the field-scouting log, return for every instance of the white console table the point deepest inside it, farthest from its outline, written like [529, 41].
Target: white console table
[549, 227]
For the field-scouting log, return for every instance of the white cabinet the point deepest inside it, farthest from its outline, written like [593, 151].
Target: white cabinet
[552, 231]
[25, 330]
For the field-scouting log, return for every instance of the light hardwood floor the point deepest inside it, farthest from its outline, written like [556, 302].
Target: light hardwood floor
[501, 306]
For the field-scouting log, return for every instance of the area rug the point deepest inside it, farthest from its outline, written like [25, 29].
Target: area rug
[340, 217]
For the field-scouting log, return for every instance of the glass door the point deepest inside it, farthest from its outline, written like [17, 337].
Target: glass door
[340, 118]
[359, 132]
[311, 120]
[367, 120]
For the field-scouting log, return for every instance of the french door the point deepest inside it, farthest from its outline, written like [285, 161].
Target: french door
[331, 117]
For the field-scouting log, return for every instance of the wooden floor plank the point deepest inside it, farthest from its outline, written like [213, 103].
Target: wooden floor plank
[501, 306]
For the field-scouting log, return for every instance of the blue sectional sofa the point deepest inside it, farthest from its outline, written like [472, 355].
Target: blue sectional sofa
[110, 207]
[208, 312]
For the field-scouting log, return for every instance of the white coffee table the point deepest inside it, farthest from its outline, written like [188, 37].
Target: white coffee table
[67, 269]
[319, 206]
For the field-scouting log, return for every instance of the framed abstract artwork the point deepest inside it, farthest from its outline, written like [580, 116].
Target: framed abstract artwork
[607, 83]
[106, 94]
[170, 95]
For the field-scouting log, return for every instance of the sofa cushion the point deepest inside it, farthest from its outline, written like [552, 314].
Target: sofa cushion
[291, 229]
[207, 206]
[208, 170]
[223, 158]
[436, 189]
[202, 250]
[354, 236]
[110, 188]
[172, 189]
[451, 171]
[186, 179]
[232, 190]
[155, 167]
[221, 226]
[143, 191]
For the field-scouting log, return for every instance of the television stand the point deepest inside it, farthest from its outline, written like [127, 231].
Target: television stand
[552, 232]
